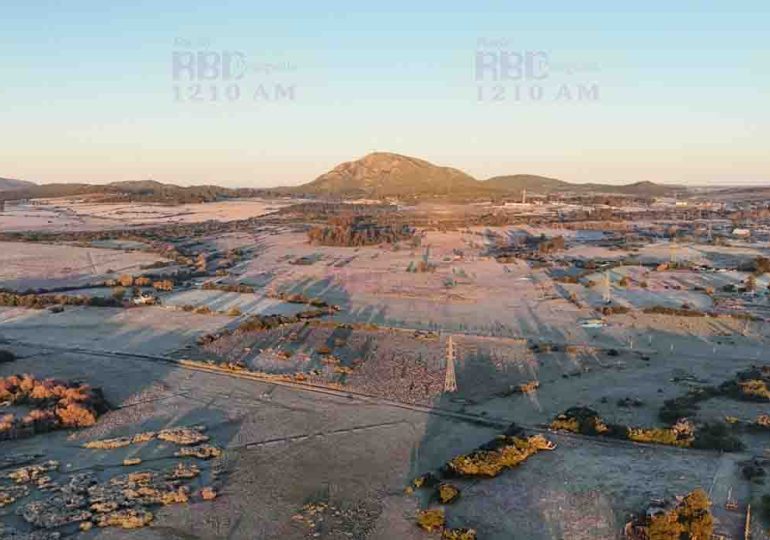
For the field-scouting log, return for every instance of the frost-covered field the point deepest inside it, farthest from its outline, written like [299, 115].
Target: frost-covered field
[77, 214]
[36, 265]
[511, 323]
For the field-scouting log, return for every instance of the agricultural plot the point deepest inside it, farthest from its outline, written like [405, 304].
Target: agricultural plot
[32, 266]
[151, 330]
[223, 302]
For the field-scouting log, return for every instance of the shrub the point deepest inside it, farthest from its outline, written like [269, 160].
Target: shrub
[754, 389]
[665, 436]
[6, 356]
[447, 493]
[431, 520]
[686, 406]
[118, 293]
[584, 421]
[163, 285]
[716, 436]
[764, 507]
[751, 283]
[761, 265]
[458, 534]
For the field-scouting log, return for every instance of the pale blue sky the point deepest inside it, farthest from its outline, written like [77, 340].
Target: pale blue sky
[683, 90]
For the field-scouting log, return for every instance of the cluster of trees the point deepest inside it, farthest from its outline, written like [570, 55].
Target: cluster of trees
[748, 385]
[322, 211]
[228, 287]
[206, 310]
[352, 231]
[688, 517]
[41, 301]
[299, 298]
[56, 405]
[140, 191]
[503, 452]
[141, 281]
[680, 312]
[261, 323]
[530, 247]
[545, 245]
[681, 432]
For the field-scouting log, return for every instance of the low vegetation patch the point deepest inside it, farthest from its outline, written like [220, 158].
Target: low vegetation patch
[182, 435]
[128, 500]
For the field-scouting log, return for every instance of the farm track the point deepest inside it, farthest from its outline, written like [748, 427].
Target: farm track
[476, 419]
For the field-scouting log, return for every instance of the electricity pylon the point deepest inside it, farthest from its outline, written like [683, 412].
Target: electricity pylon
[607, 296]
[450, 381]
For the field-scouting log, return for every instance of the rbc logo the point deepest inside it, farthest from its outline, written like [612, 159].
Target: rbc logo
[511, 65]
[208, 65]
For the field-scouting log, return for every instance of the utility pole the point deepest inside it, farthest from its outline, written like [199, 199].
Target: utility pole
[747, 527]
[450, 381]
[607, 296]
[523, 196]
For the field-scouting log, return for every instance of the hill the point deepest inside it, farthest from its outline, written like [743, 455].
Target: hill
[382, 174]
[530, 182]
[640, 189]
[140, 190]
[7, 184]
[374, 176]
